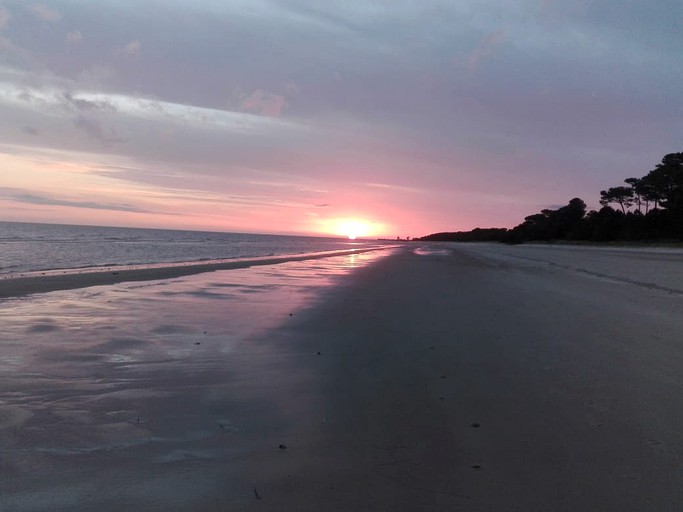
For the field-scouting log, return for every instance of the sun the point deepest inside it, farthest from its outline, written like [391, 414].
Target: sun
[352, 228]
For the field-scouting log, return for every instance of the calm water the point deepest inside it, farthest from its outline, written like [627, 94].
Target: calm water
[153, 396]
[31, 247]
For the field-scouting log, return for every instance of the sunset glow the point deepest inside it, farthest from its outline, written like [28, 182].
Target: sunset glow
[450, 132]
[353, 229]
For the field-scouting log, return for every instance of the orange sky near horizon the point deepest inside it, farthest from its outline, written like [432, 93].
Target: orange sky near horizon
[90, 199]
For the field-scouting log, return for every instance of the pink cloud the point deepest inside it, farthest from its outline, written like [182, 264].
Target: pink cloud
[265, 103]
[133, 48]
[4, 18]
[74, 37]
[5, 44]
[485, 48]
[45, 13]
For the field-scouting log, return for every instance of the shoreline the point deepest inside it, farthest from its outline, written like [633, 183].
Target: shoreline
[28, 283]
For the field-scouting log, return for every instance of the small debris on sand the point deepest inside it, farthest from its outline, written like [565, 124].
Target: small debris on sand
[476, 466]
[256, 494]
[475, 425]
[282, 447]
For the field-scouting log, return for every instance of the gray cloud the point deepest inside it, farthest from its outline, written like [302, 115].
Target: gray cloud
[30, 130]
[29, 198]
[133, 48]
[485, 48]
[74, 37]
[5, 17]
[72, 102]
[45, 13]
[95, 131]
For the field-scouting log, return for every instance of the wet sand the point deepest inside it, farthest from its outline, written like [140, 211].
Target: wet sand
[477, 379]
[469, 377]
[13, 285]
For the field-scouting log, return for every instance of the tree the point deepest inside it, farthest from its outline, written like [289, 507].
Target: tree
[567, 220]
[658, 197]
[551, 224]
[639, 199]
[623, 196]
[666, 181]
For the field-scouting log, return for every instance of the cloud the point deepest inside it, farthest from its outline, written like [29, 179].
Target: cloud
[85, 105]
[23, 196]
[134, 48]
[265, 103]
[74, 37]
[96, 76]
[378, 101]
[95, 131]
[5, 16]
[45, 13]
[485, 48]
[5, 44]
[29, 130]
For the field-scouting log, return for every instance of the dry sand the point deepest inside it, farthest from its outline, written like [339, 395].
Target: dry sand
[468, 377]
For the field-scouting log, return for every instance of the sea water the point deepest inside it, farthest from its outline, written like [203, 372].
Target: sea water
[26, 247]
[154, 395]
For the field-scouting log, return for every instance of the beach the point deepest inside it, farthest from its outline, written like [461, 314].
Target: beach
[27, 283]
[432, 377]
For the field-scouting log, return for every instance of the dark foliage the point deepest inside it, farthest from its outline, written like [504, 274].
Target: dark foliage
[476, 235]
[648, 209]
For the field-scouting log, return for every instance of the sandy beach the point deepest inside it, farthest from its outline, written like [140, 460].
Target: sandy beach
[432, 377]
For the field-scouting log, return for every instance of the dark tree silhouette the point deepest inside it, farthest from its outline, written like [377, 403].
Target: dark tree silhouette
[659, 192]
[667, 180]
[636, 187]
[623, 196]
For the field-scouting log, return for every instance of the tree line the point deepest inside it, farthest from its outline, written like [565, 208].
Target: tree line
[649, 208]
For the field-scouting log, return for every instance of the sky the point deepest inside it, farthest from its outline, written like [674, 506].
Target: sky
[395, 117]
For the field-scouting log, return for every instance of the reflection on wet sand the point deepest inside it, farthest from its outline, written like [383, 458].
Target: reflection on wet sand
[135, 395]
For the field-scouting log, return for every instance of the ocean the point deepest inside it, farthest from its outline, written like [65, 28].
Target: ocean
[137, 394]
[29, 247]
